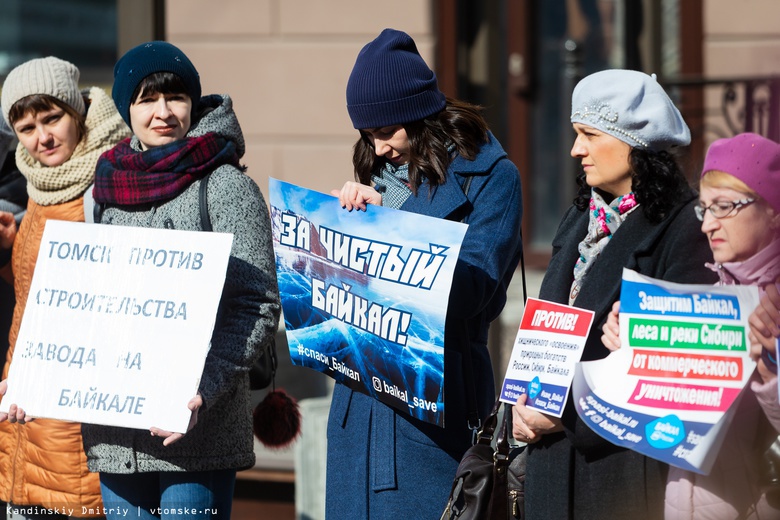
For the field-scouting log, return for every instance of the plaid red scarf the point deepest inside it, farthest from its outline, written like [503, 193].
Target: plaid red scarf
[126, 177]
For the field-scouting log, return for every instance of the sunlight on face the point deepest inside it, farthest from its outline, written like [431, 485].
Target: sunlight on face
[158, 119]
[604, 159]
[390, 142]
[743, 233]
[50, 137]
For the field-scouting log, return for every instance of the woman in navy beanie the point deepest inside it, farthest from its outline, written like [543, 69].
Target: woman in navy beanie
[181, 143]
[421, 152]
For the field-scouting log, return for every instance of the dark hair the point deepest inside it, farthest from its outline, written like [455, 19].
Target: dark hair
[656, 179]
[159, 83]
[459, 123]
[43, 103]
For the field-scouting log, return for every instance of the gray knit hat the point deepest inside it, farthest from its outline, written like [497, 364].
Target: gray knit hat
[52, 76]
[630, 106]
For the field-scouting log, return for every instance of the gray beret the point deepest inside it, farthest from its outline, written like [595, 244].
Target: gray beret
[630, 106]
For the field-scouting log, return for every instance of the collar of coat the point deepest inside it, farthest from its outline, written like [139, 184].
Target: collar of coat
[442, 200]
[636, 237]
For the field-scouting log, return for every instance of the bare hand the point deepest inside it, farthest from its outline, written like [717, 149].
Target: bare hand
[3, 390]
[611, 329]
[7, 230]
[529, 425]
[765, 318]
[171, 437]
[764, 329]
[354, 195]
[756, 346]
[15, 413]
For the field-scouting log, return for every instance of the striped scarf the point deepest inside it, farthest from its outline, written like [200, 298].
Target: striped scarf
[126, 177]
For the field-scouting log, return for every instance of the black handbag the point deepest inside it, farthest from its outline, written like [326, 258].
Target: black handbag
[489, 483]
[490, 478]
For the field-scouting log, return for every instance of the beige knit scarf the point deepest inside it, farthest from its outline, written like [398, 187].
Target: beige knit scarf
[57, 184]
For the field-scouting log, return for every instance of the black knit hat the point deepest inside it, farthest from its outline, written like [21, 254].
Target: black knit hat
[390, 84]
[144, 60]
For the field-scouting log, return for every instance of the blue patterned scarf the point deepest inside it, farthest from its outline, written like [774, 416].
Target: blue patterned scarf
[393, 183]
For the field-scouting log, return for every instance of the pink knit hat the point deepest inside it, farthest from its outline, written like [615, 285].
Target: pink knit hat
[751, 158]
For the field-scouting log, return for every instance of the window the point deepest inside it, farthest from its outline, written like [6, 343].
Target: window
[83, 32]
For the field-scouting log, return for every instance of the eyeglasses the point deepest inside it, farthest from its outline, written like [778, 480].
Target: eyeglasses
[722, 208]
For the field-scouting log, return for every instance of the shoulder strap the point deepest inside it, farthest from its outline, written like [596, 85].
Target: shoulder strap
[97, 212]
[467, 185]
[203, 203]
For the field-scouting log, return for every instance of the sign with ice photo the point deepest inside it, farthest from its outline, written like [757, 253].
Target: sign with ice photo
[364, 295]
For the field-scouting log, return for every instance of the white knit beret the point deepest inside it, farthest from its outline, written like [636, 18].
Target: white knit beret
[53, 76]
[630, 106]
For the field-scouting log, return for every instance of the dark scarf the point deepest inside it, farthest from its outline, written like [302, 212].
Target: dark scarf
[126, 177]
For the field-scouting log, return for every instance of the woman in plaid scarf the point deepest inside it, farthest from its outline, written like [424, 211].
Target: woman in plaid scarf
[152, 180]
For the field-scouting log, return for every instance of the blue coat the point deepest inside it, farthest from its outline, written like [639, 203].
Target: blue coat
[384, 464]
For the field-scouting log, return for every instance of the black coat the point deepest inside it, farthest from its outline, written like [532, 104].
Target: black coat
[576, 474]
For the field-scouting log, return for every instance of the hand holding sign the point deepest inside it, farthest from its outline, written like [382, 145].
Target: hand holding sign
[764, 331]
[611, 329]
[7, 230]
[171, 437]
[528, 425]
[354, 195]
[15, 413]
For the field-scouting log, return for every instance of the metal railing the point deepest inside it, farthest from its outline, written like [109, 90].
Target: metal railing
[722, 107]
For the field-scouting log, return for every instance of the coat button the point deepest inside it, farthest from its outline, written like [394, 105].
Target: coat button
[128, 464]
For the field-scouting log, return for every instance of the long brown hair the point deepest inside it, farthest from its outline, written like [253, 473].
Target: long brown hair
[459, 123]
[43, 103]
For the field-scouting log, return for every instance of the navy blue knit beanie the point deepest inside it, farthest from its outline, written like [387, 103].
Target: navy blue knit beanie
[144, 60]
[390, 84]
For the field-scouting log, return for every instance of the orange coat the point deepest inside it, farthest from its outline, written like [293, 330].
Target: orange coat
[43, 462]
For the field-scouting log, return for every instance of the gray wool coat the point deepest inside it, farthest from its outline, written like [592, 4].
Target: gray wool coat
[248, 317]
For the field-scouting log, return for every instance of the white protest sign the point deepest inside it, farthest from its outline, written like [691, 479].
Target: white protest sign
[549, 343]
[117, 324]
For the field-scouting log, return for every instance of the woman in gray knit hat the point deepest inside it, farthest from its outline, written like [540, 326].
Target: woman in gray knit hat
[634, 209]
[61, 131]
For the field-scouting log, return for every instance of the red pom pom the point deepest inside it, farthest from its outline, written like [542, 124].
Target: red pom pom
[277, 420]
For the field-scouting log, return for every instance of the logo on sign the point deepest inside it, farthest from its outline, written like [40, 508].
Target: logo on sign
[534, 387]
